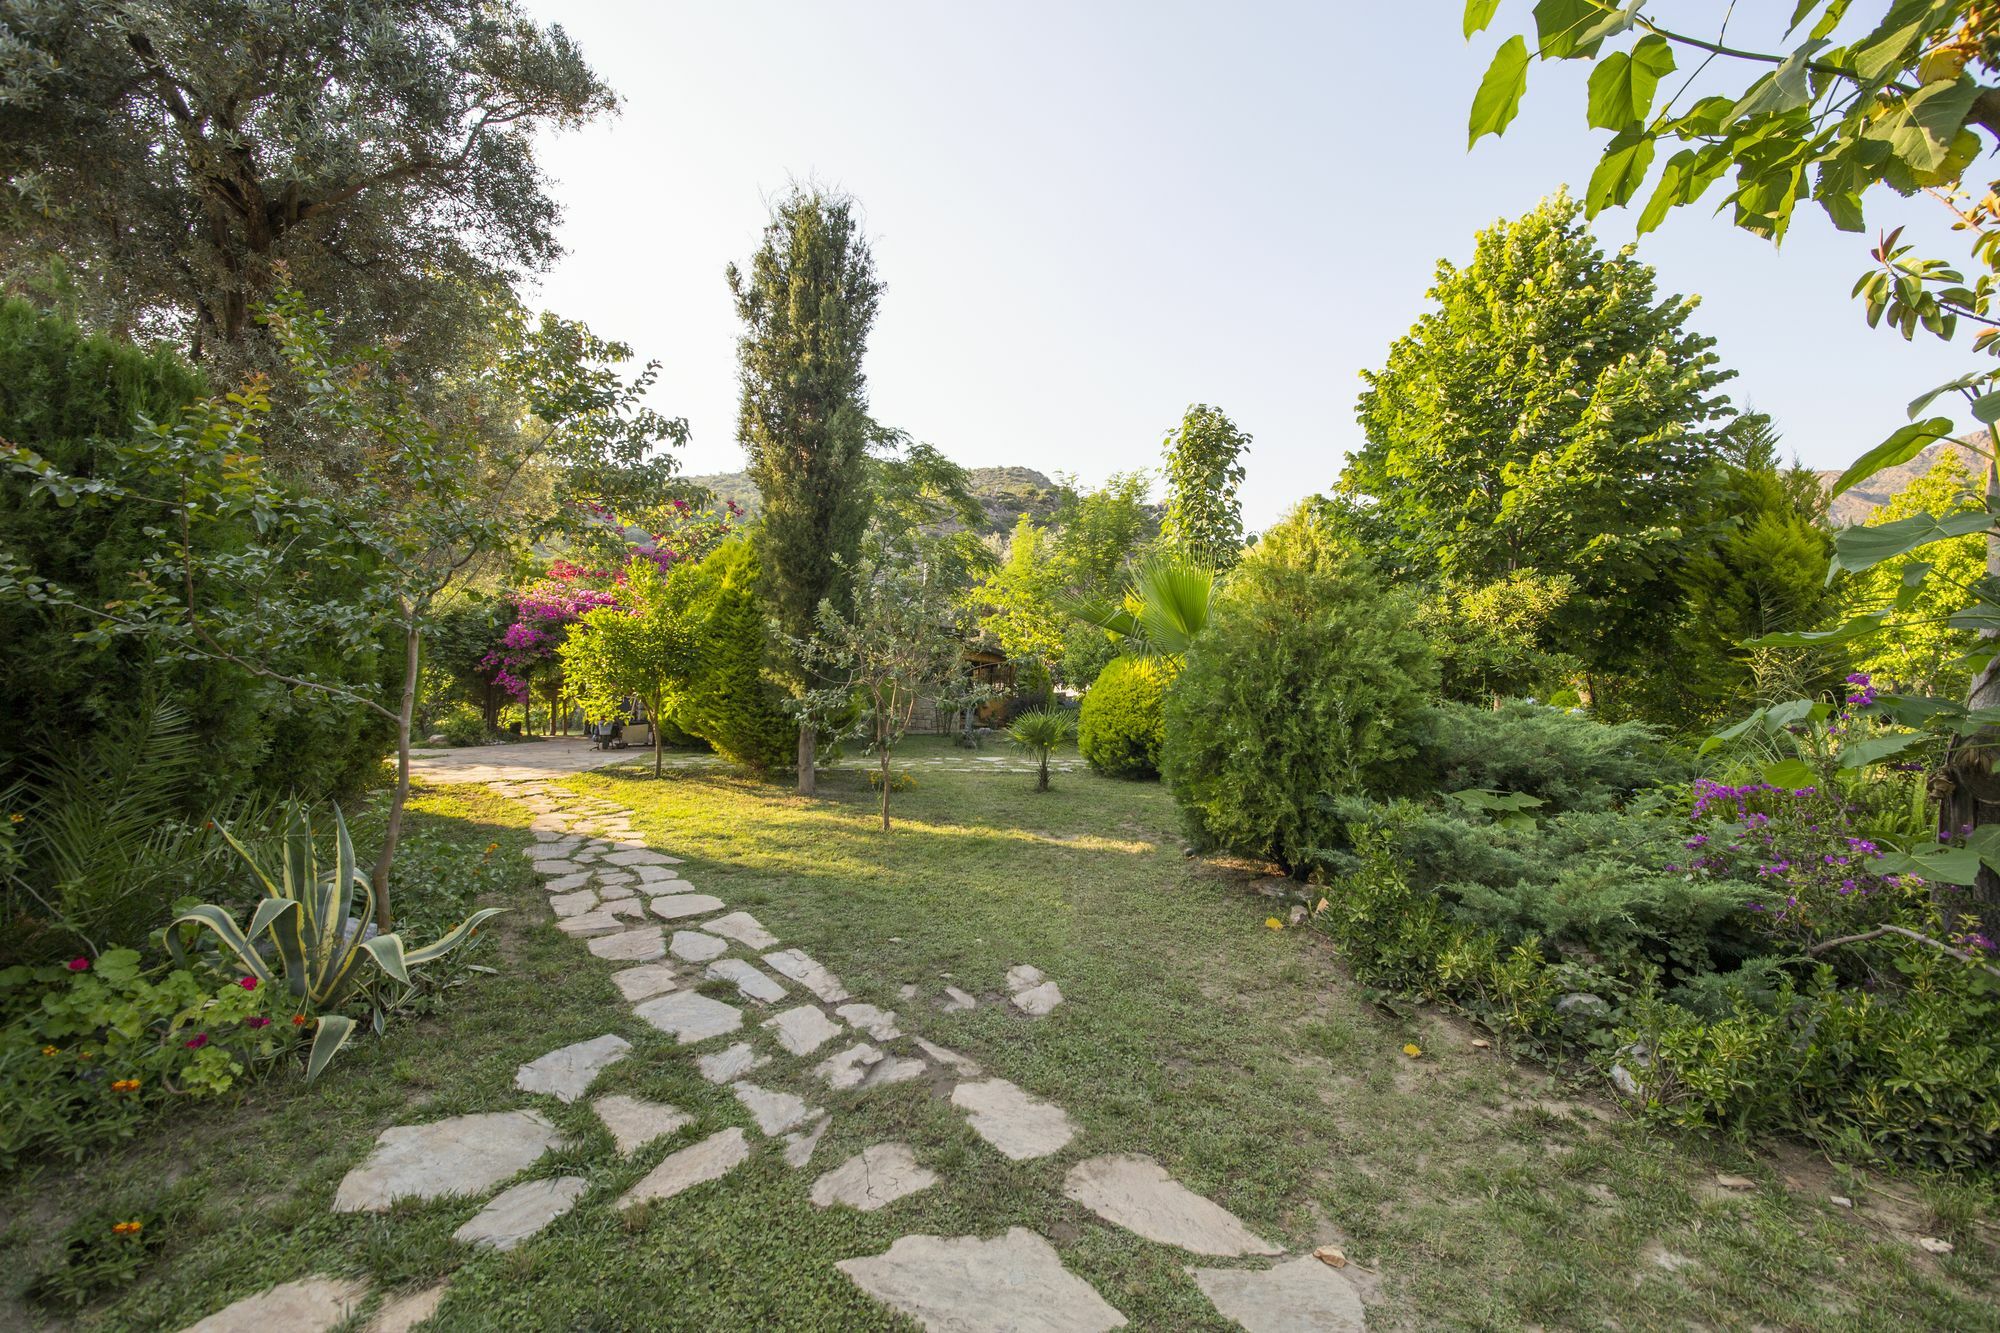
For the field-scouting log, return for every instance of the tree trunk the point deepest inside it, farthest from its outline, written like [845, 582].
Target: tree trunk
[885, 786]
[653, 715]
[1042, 780]
[1969, 789]
[405, 712]
[806, 738]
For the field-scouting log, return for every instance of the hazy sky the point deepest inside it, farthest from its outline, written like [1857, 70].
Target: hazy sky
[1091, 214]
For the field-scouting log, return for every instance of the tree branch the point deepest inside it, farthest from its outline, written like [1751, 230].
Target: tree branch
[1877, 933]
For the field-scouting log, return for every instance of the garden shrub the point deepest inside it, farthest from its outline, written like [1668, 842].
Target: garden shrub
[460, 724]
[1306, 686]
[1119, 729]
[732, 702]
[1569, 761]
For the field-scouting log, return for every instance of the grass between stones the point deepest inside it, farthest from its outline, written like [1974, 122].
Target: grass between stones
[1470, 1189]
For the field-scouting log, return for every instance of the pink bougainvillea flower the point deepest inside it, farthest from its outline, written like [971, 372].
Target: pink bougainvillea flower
[195, 1043]
[79, 964]
[248, 983]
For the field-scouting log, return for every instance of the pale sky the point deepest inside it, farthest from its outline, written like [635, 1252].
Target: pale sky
[1089, 215]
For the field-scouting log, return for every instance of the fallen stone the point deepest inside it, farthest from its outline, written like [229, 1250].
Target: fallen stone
[1298, 1296]
[753, 984]
[694, 947]
[744, 929]
[873, 1178]
[573, 904]
[774, 1112]
[674, 906]
[847, 1069]
[636, 983]
[518, 1213]
[587, 924]
[635, 1122]
[799, 1144]
[691, 1016]
[467, 1154]
[309, 1305]
[803, 1030]
[908, 991]
[1023, 976]
[733, 1063]
[1011, 1284]
[795, 964]
[1020, 1126]
[956, 1000]
[400, 1314]
[877, 1023]
[1135, 1192]
[566, 1074]
[643, 945]
[1036, 1001]
[965, 1066]
[711, 1159]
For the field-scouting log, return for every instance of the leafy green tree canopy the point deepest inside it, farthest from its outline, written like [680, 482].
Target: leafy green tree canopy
[1204, 469]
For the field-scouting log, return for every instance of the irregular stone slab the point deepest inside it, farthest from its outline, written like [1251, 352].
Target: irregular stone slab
[466, 1154]
[965, 1066]
[774, 1112]
[555, 849]
[587, 924]
[894, 1069]
[745, 929]
[310, 1305]
[803, 1030]
[1038, 1000]
[877, 1023]
[873, 1178]
[573, 904]
[795, 964]
[655, 874]
[1135, 1192]
[674, 906]
[558, 866]
[636, 983]
[695, 947]
[400, 1314]
[1301, 1295]
[799, 1144]
[614, 879]
[616, 892]
[518, 1213]
[690, 1016]
[847, 1069]
[1023, 976]
[626, 907]
[956, 1000]
[645, 856]
[635, 1122]
[711, 1159]
[1020, 1126]
[733, 1063]
[644, 945]
[753, 984]
[1011, 1284]
[568, 882]
[567, 1073]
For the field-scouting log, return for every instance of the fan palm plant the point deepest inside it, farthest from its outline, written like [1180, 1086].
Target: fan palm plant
[1165, 607]
[1038, 732]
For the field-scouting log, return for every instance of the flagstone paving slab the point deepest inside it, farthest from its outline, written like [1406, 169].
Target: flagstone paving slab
[515, 1214]
[1301, 1295]
[732, 1063]
[774, 1112]
[1135, 1192]
[310, 1305]
[566, 1074]
[745, 929]
[956, 1000]
[964, 1065]
[795, 964]
[1019, 1125]
[466, 1154]
[568, 882]
[616, 892]
[753, 984]
[847, 1069]
[644, 945]
[800, 1143]
[690, 1016]
[711, 1159]
[630, 908]
[635, 1122]
[877, 1023]
[893, 1069]
[1023, 975]
[873, 1178]
[586, 924]
[647, 979]
[400, 1314]
[696, 947]
[645, 856]
[803, 1030]
[572, 904]
[674, 906]
[1037, 1001]
[656, 874]
[1011, 1284]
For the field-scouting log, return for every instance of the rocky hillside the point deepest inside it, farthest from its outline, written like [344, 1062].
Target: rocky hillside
[1005, 493]
[1858, 503]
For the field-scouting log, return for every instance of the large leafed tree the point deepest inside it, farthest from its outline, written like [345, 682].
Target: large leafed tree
[807, 300]
[1204, 470]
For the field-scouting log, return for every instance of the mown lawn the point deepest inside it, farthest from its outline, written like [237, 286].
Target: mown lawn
[1471, 1189]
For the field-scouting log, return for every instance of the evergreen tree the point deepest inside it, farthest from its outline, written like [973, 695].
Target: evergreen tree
[807, 302]
[1204, 469]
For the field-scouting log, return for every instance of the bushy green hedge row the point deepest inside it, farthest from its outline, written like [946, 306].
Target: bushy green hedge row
[1119, 729]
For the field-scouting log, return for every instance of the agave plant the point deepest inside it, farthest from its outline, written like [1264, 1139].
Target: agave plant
[316, 932]
[1166, 605]
[1039, 732]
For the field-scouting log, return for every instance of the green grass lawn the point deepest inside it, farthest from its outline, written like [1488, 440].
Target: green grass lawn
[1471, 1190]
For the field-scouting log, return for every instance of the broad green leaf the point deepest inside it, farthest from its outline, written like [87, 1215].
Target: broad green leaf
[1981, 617]
[1793, 711]
[1987, 407]
[1920, 129]
[1684, 179]
[1622, 86]
[331, 1034]
[1619, 172]
[1783, 89]
[1860, 627]
[456, 936]
[1499, 97]
[1943, 865]
[1479, 13]
[1560, 28]
[1913, 710]
[1860, 754]
[1859, 548]
[1733, 732]
[1791, 774]
[387, 951]
[1898, 449]
[1929, 396]
[1612, 24]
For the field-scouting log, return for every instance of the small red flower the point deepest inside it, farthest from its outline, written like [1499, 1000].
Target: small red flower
[199, 1040]
[248, 983]
[257, 1022]
[298, 1020]
[79, 964]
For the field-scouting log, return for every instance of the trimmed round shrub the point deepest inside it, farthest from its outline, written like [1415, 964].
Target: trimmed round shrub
[1120, 726]
[1308, 685]
[732, 703]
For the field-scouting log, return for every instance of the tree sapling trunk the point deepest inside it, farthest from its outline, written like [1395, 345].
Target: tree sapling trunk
[806, 785]
[405, 713]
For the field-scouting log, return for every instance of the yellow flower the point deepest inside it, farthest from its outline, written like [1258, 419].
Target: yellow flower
[50, 1050]
[1274, 923]
[1412, 1050]
[125, 1085]
[128, 1228]
[15, 818]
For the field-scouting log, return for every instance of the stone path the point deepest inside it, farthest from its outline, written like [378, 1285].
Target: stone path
[784, 1011]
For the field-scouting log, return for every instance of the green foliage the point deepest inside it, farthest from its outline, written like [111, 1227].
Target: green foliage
[1569, 760]
[461, 724]
[1487, 637]
[1204, 469]
[1121, 725]
[638, 647]
[1039, 732]
[1923, 652]
[1478, 474]
[1305, 687]
[107, 1246]
[315, 920]
[731, 700]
